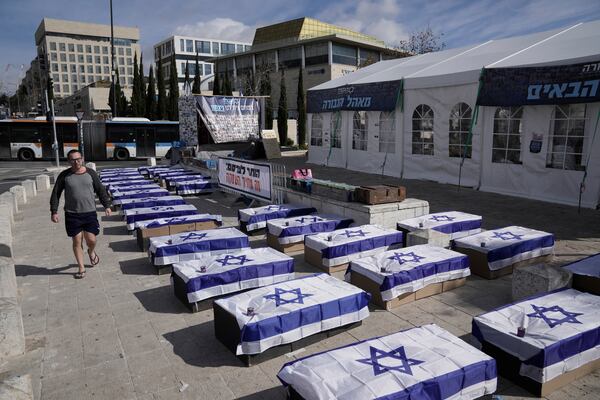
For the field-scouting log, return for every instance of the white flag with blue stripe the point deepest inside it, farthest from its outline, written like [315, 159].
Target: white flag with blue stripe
[454, 223]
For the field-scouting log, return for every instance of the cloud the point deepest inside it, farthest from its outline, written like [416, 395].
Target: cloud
[218, 28]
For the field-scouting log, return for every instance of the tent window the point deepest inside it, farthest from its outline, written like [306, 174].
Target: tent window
[506, 141]
[458, 131]
[360, 130]
[387, 132]
[336, 130]
[565, 150]
[422, 130]
[316, 130]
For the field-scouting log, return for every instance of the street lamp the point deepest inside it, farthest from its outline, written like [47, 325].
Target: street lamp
[79, 114]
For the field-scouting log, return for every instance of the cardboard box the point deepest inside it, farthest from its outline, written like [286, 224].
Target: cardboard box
[179, 228]
[380, 194]
[205, 225]
[144, 235]
[314, 257]
[272, 241]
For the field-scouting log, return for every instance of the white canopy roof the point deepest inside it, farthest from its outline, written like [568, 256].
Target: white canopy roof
[576, 44]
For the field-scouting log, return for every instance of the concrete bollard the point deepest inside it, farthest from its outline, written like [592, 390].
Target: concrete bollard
[6, 231]
[12, 339]
[42, 183]
[91, 165]
[19, 193]
[10, 199]
[30, 188]
[151, 161]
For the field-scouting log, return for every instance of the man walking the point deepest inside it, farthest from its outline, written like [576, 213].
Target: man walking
[81, 185]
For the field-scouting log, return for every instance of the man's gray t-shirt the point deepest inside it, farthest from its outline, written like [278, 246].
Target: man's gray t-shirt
[80, 192]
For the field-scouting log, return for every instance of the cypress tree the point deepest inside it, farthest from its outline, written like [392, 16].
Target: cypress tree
[227, 86]
[110, 99]
[187, 73]
[301, 110]
[121, 99]
[216, 84]
[135, 93]
[151, 96]
[196, 85]
[142, 89]
[265, 90]
[173, 91]
[282, 112]
[161, 107]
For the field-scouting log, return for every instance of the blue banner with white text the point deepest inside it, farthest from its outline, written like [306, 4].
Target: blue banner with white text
[376, 96]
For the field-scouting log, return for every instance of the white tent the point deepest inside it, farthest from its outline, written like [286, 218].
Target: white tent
[424, 136]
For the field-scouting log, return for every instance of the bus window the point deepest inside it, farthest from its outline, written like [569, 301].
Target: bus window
[167, 135]
[25, 135]
[68, 133]
[120, 134]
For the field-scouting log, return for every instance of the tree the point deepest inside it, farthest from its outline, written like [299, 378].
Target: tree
[161, 107]
[142, 89]
[196, 85]
[227, 86]
[263, 73]
[50, 89]
[282, 112]
[216, 84]
[136, 98]
[151, 96]
[173, 107]
[187, 74]
[420, 42]
[122, 106]
[248, 84]
[301, 110]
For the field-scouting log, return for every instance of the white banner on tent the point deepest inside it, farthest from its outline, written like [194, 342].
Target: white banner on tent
[246, 177]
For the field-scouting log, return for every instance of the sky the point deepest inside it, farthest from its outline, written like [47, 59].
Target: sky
[460, 22]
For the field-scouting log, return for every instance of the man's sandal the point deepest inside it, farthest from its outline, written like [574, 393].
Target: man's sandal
[95, 259]
[80, 274]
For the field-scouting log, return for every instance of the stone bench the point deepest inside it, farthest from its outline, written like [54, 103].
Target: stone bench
[539, 278]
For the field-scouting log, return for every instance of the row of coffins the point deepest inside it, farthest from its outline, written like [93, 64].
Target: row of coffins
[279, 313]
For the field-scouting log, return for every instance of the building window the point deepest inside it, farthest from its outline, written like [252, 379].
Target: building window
[128, 51]
[122, 71]
[54, 67]
[121, 51]
[71, 47]
[367, 57]
[62, 47]
[458, 131]
[104, 59]
[89, 59]
[181, 45]
[315, 54]
[360, 130]
[121, 60]
[64, 68]
[80, 48]
[53, 46]
[506, 140]
[227, 48]
[202, 47]
[80, 58]
[74, 78]
[290, 58]
[73, 68]
[130, 81]
[207, 69]
[97, 49]
[316, 130]
[98, 59]
[63, 57]
[215, 48]
[565, 150]
[98, 69]
[387, 132]
[55, 77]
[106, 70]
[82, 69]
[71, 57]
[239, 48]
[343, 54]
[247, 47]
[57, 88]
[65, 78]
[75, 88]
[336, 130]
[422, 130]
[130, 70]
[88, 48]
[189, 46]
[104, 49]
[90, 69]
[53, 57]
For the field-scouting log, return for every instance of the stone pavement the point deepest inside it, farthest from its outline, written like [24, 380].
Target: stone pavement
[121, 334]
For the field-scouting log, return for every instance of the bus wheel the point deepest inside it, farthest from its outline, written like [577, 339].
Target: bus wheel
[121, 154]
[26, 155]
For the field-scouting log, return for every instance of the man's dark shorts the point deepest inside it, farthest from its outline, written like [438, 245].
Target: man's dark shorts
[77, 222]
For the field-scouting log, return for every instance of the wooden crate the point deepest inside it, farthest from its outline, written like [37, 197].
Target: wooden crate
[379, 194]
[333, 192]
[272, 241]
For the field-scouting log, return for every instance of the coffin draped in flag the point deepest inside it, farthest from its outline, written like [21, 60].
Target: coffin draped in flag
[215, 275]
[454, 223]
[138, 193]
[187, 177]
[129, 185]
[256, 218]
[153, 173]
[184, 219]
[562, 332]
[344, 245]
[291, 310]
[194, 186]
[411, 268]
[506, 246]
[120, 178]
[293, 230]
[188, 246]
[147, 202]
[140, 214]
[426, 363]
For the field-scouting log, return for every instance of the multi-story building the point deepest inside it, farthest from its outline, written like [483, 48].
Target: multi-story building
[76, 54]
[321, 50]
[185, 49]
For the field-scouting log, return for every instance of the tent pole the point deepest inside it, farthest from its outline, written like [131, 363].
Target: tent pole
[473, 123]
[585, 167]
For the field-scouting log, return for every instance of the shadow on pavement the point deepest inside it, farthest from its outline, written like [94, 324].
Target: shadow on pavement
[115, 230]
[28, 270]
[125, 246]
[278, 392]
[161, 300]
[114, 217]
[137, 266]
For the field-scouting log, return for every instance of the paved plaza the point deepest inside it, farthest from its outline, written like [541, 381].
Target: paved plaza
[120, 333]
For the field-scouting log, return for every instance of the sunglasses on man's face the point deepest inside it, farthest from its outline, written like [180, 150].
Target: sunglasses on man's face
[72, 160]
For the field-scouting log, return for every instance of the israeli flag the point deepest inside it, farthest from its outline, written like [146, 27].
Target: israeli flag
[419, 363]
[589, 266]
[562, 332]
[506, 246]
[146, 202]
[186, 246]
[344, 245]
[113, 171]
[193, 187]
[139, 214]
[154, 172]
[181, 178]
[121, 178]
[256, 218]
[184, 219]
[289, 311]
[215, 275]
[132, 185]
[454, 223]
[411, 268]
[293, 230]
[138, 193]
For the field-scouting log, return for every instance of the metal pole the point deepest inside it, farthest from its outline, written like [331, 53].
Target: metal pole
[51, 109]
[112, 61]
[81, 138]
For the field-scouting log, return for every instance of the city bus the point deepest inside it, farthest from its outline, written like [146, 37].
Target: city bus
[120, 139]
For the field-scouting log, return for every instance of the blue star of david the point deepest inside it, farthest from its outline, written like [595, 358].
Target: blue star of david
[174, 219]
[299, 299]
[193, 235]
[230, 260]
[162, 208]
[351, 234]
[440, 218]
[507, 236]
[397, 354]
[406, 257]
[275, 208]
[540, 312]
[309, 219]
